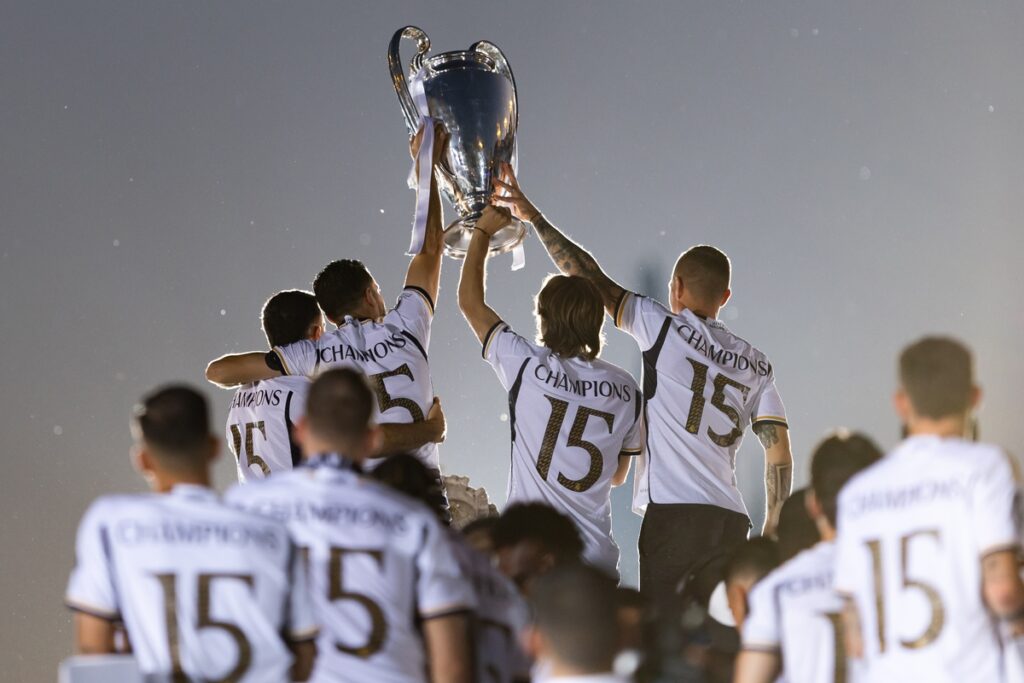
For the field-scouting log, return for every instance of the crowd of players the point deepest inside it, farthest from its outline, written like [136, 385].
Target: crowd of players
[336, 558]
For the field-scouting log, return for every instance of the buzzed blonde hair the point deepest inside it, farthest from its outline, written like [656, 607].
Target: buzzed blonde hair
[570, 316]
[706, 271]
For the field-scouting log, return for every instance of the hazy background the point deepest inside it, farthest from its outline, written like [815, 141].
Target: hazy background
[164, 167]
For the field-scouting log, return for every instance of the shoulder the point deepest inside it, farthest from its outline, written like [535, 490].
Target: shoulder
[620, 374]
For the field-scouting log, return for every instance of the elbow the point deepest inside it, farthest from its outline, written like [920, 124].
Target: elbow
[215, 374]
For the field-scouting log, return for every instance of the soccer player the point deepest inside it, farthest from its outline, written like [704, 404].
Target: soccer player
[575, 418]
[575, 635]
[206, 592]
[795, 626]
[530, 539]
[927, 541]
[389, 346]
[388, 593]
[750, 562]
[703, 386]
[501, 613]
[263, 414]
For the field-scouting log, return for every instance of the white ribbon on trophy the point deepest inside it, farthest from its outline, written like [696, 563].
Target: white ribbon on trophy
[421, 181]
[423, 161]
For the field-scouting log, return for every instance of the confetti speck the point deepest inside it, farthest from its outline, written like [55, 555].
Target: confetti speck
[58, 430]
[117, 243]
[382, 211]
[991, 108]
[865, 173]
[223, 312]
[503, 417]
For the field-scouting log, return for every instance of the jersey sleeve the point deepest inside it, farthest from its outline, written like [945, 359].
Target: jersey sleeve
[768, 407]
[505, 351]
[993, 506]
[299, 358]
[641, 317]
[302, 623]
[413, 313]
[850, 560]
[633, 444]
[91, 587]
[441, 588]
[761, 629]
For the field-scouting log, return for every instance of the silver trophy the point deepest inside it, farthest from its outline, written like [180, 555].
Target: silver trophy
[473, 93]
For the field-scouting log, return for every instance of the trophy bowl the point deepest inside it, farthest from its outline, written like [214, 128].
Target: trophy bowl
[473, 94]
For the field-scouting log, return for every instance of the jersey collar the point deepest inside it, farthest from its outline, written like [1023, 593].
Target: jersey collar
[334, 461]
[192, 492]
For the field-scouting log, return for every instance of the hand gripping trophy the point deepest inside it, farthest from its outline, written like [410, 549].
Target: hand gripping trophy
[473, 94]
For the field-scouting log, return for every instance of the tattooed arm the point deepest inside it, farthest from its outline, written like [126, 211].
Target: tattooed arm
[571, 258]
[778, 471]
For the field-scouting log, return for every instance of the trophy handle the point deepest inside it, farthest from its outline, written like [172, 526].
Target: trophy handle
[412, 115]
[491, 50]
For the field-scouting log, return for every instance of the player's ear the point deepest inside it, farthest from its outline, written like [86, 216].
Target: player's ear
[142, 461]
[532, 642]
[975, 397]
[901, 402]
[316, 330]
[302, 433]
[374, 439]
[725, 297]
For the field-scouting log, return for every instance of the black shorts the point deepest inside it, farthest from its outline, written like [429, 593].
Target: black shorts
[677, 538]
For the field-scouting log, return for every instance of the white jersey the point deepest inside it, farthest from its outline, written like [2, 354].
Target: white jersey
[571, 420]
[796, 613]
[379, 564]
[204, 590]
[703, 387]
[393, 355]
[260, 426]
[501, 615]
[913, 530]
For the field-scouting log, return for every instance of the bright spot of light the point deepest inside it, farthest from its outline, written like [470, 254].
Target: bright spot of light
[58, 430]
[117, 243]
[991, 108]
[503, 417]
[223, 312]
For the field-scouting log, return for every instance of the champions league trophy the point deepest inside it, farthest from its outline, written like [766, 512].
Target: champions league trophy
[473, 94]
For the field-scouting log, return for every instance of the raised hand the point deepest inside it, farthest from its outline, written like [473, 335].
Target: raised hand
[440, 142]
[508, 195]
[437, 422]
[492, 220]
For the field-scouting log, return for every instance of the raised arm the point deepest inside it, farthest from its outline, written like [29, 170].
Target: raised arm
[778, 471]
[571, 258]
[240, 368]
[478, 314]
[425, 268]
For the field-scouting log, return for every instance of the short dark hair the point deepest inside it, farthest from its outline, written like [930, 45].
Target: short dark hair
[757, 557]
[574, 608]
[796, 530]
[175, 421]
[706, 271]
[938, 375]
[834, 461]
[556, 533]
[483, 525]
[287, 315]
[406, 474]
[339, 407]
[340, 286]
[571, 313]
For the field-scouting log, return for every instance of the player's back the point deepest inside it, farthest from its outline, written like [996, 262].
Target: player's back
[571, 419]
[796, 612]
[260, 425]
[392, 353]
[913, 530]
[703, 386]
[204, 590]
[379, 564]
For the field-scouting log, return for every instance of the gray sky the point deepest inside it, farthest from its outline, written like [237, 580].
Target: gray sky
[164, 167]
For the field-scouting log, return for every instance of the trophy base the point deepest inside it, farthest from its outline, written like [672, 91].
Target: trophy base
[458, 234]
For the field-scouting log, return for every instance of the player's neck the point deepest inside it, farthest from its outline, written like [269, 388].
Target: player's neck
[945, 427]
[163, 483]
[702, 311]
